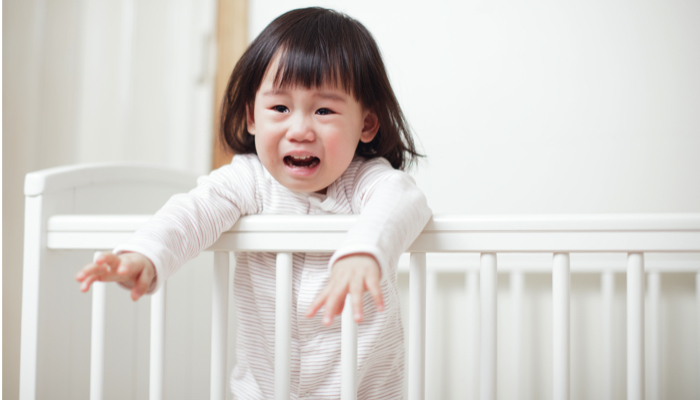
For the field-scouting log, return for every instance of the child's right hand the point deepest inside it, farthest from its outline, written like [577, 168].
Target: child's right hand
[133, 270]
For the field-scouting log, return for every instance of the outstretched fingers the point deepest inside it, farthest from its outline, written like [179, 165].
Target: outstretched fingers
[332, 300]
[103, 269]
[372, 284]
[334, 304]
[358, 286]
[356, 289]
[142, 283]
[355, 275]
[133, 270]
[317, 303]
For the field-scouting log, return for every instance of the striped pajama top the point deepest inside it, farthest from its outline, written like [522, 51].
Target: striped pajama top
[393, 211]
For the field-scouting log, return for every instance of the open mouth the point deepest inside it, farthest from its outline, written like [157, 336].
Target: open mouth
[301, 161]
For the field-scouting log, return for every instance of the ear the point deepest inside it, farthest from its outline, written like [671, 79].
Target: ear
[370, 127]
[250, 120]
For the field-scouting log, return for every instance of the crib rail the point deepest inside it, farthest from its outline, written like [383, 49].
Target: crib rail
[444, 233]
[486, 235]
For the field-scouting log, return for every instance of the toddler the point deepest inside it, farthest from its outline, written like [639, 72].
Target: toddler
[316, 129]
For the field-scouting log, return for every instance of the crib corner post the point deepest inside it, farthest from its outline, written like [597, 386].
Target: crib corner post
[697, 301]
[34, 246]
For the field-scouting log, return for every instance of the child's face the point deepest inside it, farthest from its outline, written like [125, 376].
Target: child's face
[306, 138]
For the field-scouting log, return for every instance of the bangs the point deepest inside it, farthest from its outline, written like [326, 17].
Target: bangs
[313, 70]
[320, 51]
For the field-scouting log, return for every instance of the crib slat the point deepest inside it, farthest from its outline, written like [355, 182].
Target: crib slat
[97, 340]
[348, 355]
[517, 283]
[434, 387]
[697, 299]
[219, 326]
[488, 279]
[472, 378]
[560, 323]
[654, 376]
[607, 283]
[283, 326]
[416, 330]
[635, 326]
[157, 362]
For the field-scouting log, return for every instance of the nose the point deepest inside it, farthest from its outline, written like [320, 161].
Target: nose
[300, 130]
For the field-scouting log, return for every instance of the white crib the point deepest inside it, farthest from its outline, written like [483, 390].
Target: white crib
[71, 210]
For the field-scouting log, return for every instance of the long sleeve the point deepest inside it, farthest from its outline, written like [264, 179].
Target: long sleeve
[393, 212]
[189, 223]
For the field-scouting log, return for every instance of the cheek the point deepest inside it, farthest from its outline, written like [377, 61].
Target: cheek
[342, 146]
[263, 147]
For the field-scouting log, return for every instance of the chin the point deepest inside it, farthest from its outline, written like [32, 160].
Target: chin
[302, 188]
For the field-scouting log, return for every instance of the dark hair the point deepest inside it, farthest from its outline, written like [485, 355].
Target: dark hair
[317, 46]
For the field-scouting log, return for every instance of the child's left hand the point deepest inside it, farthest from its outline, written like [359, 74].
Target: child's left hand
[355, 274]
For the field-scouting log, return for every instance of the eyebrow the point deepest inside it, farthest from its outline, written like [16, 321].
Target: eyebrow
[331, 96]
[272, 92]
[321, 94]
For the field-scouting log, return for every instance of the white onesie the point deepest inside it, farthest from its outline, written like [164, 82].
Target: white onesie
[393, 211]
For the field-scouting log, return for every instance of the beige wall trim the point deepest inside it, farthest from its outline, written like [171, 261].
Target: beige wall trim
[232, 40]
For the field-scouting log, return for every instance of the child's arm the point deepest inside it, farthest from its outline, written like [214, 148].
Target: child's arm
[133, 270]
[184, 226]
[393, 212]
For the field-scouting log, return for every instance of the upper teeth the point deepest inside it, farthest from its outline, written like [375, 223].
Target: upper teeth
[301, 157]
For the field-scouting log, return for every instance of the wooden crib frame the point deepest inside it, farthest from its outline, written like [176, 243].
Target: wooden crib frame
[95, 207]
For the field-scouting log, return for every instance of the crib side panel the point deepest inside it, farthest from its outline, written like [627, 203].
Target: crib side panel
[56, 315]
[64, 318]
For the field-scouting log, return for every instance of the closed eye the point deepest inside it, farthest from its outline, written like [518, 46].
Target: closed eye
[324, 111]
[281, 109]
